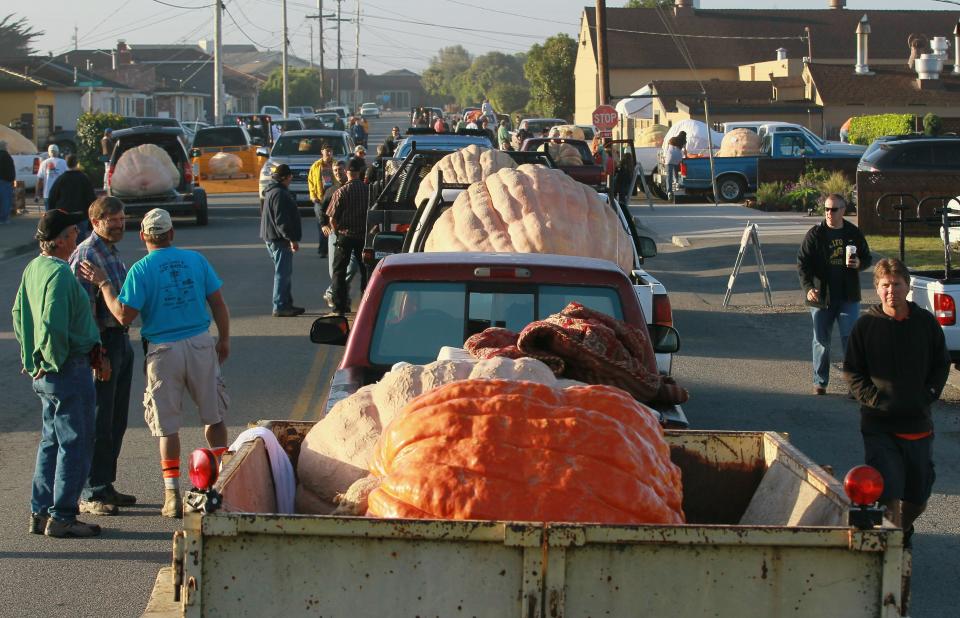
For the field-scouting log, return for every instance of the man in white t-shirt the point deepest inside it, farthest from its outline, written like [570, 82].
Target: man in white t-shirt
[50, 170]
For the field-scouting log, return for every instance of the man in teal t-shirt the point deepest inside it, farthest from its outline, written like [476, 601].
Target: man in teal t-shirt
[58, 340]
[170, 289]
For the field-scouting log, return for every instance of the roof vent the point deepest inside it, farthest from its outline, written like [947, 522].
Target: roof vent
[939, 46]
[863, 34]
[782, 53]
[928, 66]
[837, 4]
[956, 48]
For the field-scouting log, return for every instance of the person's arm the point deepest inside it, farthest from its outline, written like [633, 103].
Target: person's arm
[805, 258]
[856, 368]
[286, 225]
[221, 316]
[313, 182]
[333, 209]
[939, 362]
[89, 271]
[54, 345]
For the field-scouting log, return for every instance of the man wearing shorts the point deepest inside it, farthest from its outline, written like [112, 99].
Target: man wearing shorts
[897, 364]
[170, 289]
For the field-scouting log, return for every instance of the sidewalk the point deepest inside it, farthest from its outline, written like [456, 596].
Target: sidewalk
[16, 237]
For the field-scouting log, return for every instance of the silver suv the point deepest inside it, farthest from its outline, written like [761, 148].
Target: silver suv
[299, 149]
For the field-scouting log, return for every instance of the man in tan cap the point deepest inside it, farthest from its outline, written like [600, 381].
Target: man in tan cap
[170, 290]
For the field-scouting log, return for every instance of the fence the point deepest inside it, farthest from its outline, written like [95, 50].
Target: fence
[872, 185]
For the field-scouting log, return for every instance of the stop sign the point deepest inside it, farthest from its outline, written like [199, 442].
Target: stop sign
[604, 117]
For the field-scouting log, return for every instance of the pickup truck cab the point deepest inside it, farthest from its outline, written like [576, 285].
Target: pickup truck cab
[416, 303]
[572, 156]
[737, 176]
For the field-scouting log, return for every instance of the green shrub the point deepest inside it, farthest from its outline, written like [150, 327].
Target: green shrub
[932, 125]
[865, 129]
[770, 195]
[90, 128]
[837, 183]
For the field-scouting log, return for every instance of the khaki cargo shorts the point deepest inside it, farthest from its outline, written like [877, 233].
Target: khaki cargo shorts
[191, 365]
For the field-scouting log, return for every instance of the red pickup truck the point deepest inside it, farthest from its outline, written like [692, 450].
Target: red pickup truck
[572, 156]
[416, 303]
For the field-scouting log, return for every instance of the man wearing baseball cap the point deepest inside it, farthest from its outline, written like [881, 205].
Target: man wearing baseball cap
[50, 170]
[348, 219]
[59, 343]
[280, 229]
[170, 289]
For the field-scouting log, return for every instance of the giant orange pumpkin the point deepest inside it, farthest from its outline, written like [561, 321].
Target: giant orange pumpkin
[521, 451]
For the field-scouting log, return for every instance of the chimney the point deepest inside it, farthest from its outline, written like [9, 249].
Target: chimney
[863, 34]
[956, 49]
[113, 59]
[124, 56]
[683, 7]
[782, 53]
[837, 4]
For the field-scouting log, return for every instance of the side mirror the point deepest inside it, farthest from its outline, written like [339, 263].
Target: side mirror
[330, 330]
[262, 152]
[194, 153]
[648, 247]
[665, 339]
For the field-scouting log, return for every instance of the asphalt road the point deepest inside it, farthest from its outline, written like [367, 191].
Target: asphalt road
[747, 368]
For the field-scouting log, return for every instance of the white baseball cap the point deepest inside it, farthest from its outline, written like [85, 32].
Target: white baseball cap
[157, 221]
[53, 150]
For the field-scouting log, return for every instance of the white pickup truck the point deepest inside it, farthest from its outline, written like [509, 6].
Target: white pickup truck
[27, 166]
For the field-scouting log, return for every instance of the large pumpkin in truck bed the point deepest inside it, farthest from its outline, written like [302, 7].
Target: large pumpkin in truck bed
[464, 166]
[532, 209]
[521, 451]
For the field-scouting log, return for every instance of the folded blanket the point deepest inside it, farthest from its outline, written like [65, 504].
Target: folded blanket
[589, 346]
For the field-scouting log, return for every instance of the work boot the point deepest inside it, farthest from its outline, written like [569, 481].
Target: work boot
[120, 499]
[98, 507]
[70, 529]
[172, 504]
[38, 522]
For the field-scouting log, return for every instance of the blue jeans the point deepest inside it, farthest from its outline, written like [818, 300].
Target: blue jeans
[845, 314]
[352, 269]
[672, 175]
[66, 440]
[112, 409]
[6, 200]
[282, 275]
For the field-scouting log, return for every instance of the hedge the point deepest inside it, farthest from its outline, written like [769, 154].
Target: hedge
[90, 128]
[865, 129]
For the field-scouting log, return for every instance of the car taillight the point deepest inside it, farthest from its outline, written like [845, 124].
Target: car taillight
[662, 312]
[944, 309]
[402, 227]
[863, 485]
[109, 175]
[188, 172]
[683, 168]
[369, 256]
[36, 165]
[501, 272]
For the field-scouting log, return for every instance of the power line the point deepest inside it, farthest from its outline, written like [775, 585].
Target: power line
[533, 17]
[243, 32]
[189, 8]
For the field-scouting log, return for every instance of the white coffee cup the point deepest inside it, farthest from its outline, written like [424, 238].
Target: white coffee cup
[851, 252]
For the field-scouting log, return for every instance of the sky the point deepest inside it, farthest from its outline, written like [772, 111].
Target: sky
[394, 34]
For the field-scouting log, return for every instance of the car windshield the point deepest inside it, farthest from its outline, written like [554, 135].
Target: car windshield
[220, 136]
[307, 145]
[417, 318]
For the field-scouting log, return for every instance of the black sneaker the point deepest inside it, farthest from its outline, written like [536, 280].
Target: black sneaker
[288, 312]
[120, 499]
[38, 522]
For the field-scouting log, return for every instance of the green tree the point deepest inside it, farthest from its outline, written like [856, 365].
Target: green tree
[647, 4]
[491, 76]
[932, 125]
[90, 128]
[303, 88]
[438, 78]
[16, 37]
[509, 98]
[549, 69]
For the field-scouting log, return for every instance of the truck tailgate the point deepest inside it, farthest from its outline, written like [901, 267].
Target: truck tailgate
[796, 557]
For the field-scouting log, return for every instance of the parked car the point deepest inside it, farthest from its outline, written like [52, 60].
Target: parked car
[572, 156]
[289, 124]
[157, 121]
[370, 110]
[912, 154]
[537, 126]
[324, 120]
[341, 110]
[426, 139]
[185, 199]
[273, 111]
[299, 111]
[299, 149]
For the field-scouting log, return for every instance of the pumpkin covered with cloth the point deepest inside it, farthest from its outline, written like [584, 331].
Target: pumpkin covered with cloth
[532, 209]
[464, 166]
[144, 170]
[520, 451]
[336, 452]
[740, 143]
[225, 164]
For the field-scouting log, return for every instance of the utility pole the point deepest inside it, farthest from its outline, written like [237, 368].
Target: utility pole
[602, 68]
[339, 51]
[323, 77]
[310, 26]
[356, 65]
[76, 38]
[218, 102]
[284, 58]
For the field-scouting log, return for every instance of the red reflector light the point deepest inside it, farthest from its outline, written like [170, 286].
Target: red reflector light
[36, 165]
[203, 468]
[944, 309]
[863, 485]
[662, 311]
[188, 172]
[403, 227]
[369, 257]
[501, 272]
[109, 175]
[683, 168]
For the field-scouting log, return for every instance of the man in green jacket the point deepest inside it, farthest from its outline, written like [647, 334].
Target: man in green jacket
[59, 343]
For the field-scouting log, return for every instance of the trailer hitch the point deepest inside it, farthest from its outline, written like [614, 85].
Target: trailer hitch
[206, 502]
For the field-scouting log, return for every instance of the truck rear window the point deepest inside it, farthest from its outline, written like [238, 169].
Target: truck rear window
[417, 318]
[291, 146]
[220, 136]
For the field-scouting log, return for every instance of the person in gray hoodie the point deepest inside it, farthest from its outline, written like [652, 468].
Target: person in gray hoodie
[280, 230]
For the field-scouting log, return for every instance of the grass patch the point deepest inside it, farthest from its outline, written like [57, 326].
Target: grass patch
[921, 253]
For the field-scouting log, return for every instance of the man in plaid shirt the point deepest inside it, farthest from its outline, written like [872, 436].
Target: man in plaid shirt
[348, 219]
[99, 496]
